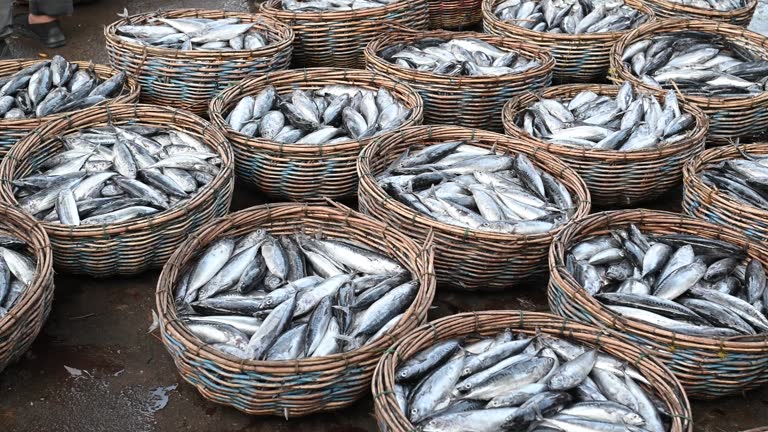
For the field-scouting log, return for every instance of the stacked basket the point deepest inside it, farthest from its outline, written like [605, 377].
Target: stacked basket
[614, 178]
[337, 39]
[470, 101]
[296, 387]
[706, 367]
[464, 258]
[302, 172]
[471, 325]
[579, 58]
[729, 118]
[454, 14]
[11, 131]
[20, 326]
[704, 202]
[136, 245]
[672, 9]
[189, 79]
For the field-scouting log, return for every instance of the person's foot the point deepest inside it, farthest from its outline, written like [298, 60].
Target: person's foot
[46, 31]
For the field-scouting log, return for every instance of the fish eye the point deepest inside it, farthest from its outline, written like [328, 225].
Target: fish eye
[414, 410]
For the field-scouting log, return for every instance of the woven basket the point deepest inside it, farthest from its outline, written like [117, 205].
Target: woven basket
[337, 39]
[23, 322]
[463, 101]
[136, 245]
[704, 202]
[189, 79]
[454, 14]
[464, 258]
[729, 118]
[614, 178]
[301, 172]
[707, 367]
[488, 323]
[667, 9]
[299, 387]
[11, 131]
[579, 58]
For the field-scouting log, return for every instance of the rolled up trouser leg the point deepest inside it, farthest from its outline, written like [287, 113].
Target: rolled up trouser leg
[50, 7]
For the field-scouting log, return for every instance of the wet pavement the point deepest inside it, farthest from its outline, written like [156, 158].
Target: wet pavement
[96, 368]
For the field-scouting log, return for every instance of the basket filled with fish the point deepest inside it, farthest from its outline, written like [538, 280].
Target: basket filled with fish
[463, 78]
[26, 282]
[736, 12]
[725, 185]
[690, 291]
[628, 145]
[454, 14]
[335, 33]
[719, 67]
[516, 370]
[36, 91]
[184, 57]
[296, 134]
[492, 202]
[118, 188]
[285, 309]
[578, 34]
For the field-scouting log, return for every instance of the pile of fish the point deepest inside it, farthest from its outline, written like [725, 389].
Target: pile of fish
[223, 34]
[460, 184]
[570, 16]
[454, 57]
[332, 5]
[112, 174]
[54, 86]
[518, 382]
[629, 122]
[328, 115]
[682, 283]
[697, 63]
[265, 297]
[718, 5]
[745, 180]
[17, 271]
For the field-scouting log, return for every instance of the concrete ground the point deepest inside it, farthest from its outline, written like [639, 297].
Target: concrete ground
[95, 368]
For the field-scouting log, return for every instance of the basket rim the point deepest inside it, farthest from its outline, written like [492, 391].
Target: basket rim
[530, 50]
[717, 154]
[274, 8]
[600, 221]
[710, 13]
[486, 321]
[274, 26]
[515, 106]
[37, 240]
[102, 70]
[303, 78]
[169, 316]
[422, 133]
[137, 113]
[491, 19]
[619, 71]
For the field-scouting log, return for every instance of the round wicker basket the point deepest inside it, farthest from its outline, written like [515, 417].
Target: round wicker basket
[487, 323]
[136, 245]
[579, 58]
[21, 325]
[465, 100]
[189, 79]
[729, 118]
[11, 131]
[706, 367]
[464, 258]
[337, 39]
[614, 178]
[299, 387]
[302, 172]
[454, 14]
[668, 9]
